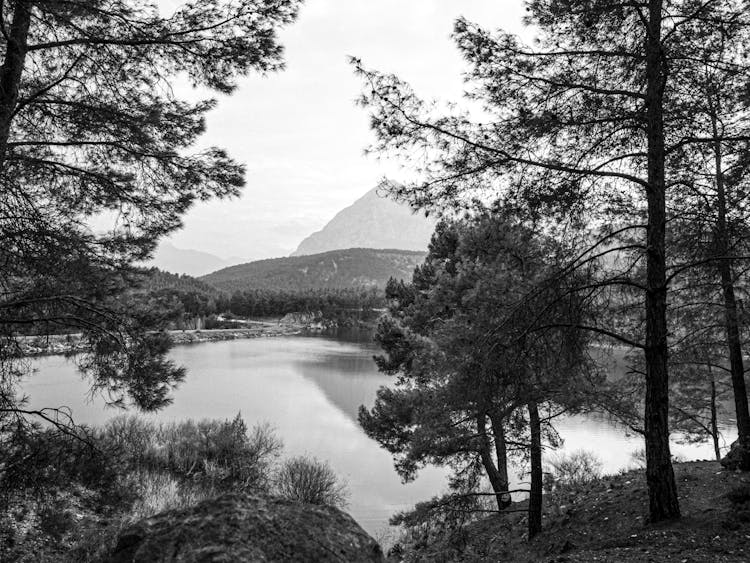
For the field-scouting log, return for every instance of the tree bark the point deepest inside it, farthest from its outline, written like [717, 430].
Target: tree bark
[663, 501]
[12, 70]
[501, 453]
[731, 316]
[714, 422]
[535, 497]
[498, 484]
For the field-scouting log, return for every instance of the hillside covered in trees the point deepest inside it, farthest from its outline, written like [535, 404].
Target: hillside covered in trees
[339, 269]
[192, 303]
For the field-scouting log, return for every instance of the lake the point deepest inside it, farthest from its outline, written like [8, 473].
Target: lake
[309, 389]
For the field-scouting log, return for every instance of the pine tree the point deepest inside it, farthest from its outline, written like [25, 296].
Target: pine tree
[484, 359]
[92, 133]
[585, 124]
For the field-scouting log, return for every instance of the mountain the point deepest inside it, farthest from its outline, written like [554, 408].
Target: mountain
[371, 222]
[183, 261]
[338, 269]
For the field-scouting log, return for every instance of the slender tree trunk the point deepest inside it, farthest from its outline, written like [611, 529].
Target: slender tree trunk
[535, 497]
[714, 423]
[499, 486]
[731, 316]
[501, 453]
[12, 69]
[662, 490]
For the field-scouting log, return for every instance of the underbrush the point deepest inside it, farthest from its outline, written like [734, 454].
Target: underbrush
[215, 455]
[67, 496]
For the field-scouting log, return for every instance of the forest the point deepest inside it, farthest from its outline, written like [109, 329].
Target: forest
[187, 298]
[168, 301]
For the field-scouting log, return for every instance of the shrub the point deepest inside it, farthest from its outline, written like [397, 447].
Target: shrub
[573, 469]
[221, 454]
[157, 492]
[130, 468]
[55, 520]
[306, 479]
[39, 459]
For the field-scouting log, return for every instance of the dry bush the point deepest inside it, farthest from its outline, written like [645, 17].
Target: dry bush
[157, 492]
[307, 479]
[222, 455]
[576, 468]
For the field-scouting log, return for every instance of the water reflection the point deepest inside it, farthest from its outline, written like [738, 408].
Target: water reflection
[310, 389]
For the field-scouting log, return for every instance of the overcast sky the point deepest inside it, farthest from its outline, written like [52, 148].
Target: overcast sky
[299, 132]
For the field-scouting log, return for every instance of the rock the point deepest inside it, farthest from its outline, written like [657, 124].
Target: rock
[738, 457]
[238, 527]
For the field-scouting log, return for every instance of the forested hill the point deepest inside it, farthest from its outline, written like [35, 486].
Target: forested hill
[157, 279]
[338, 269]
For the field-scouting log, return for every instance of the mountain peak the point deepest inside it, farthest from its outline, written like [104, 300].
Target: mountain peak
[371, 222]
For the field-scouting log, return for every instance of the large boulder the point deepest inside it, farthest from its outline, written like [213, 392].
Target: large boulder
[238, 527]
[738, 457]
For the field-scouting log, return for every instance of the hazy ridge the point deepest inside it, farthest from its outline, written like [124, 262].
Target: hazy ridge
[371, 222]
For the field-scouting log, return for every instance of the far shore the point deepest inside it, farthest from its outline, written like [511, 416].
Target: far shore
[59, 344]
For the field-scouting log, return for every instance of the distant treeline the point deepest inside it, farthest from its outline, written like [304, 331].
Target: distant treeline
[191, 298]
[158, 279]
[330, 302]
[171, 301]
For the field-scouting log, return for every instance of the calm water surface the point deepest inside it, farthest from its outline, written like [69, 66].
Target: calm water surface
[309, 389]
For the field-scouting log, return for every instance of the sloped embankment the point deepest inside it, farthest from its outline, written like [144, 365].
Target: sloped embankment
[607, 522]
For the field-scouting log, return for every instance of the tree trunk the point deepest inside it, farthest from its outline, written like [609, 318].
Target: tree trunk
[731, 316]
[12, 70]
[501, 453]
[498, 484]
[662, 490]
[714, 422]
[535, 497]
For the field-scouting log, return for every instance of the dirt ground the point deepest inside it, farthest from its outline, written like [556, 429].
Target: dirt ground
[606, 521]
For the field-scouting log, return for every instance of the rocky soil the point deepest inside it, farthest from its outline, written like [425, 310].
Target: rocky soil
[606, 521]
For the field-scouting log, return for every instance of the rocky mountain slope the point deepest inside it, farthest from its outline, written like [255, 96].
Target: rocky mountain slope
[371, 222]
[353, 267]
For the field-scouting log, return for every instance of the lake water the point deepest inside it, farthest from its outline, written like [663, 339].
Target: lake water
[309, 389]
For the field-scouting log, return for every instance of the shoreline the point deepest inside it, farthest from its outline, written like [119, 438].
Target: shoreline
[264, 330]
[58, 345]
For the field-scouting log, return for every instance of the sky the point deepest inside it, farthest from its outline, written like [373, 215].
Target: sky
[300, 133]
